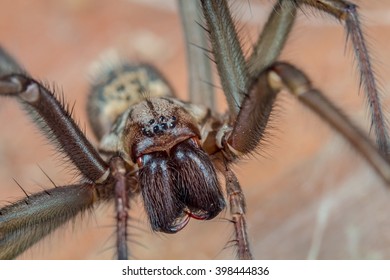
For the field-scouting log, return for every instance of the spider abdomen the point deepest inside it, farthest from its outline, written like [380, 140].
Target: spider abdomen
[116, 86]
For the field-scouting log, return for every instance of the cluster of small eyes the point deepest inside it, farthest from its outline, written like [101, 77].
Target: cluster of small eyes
[159, 126]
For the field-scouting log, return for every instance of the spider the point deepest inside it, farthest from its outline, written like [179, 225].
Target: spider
[225, 214]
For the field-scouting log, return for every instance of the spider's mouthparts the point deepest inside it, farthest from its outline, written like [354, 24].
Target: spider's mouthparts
[180, 222]
[194, 140]
[177, 225]
[178, 186]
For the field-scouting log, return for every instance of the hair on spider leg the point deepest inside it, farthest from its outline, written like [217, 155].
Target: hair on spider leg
[23, 190]
[108, 244]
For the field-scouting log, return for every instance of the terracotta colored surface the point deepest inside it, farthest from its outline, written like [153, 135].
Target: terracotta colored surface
[309, 195]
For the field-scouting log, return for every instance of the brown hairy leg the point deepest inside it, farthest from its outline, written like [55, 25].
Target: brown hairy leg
[251, 122]
[56, 122]
[348, 13]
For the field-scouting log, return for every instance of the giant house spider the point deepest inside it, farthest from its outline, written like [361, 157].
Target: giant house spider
[308, 193]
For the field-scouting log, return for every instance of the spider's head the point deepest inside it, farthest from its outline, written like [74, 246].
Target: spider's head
[177, 177]
[157, 124]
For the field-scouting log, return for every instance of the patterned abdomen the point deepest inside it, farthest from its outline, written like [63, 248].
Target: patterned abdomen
[116, 87]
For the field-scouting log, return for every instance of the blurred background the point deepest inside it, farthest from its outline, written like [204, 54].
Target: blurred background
[309, 195]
